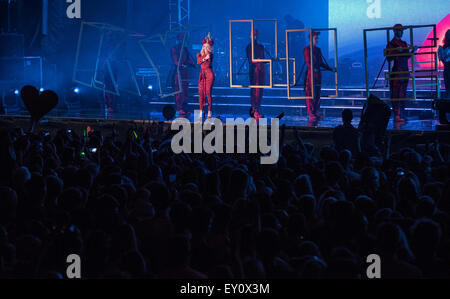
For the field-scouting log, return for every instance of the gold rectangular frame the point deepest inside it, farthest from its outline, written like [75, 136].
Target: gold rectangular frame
[287, 65]
[275, 21]
[256, 60]
[294, 74]
[335, 62]
[413, 62]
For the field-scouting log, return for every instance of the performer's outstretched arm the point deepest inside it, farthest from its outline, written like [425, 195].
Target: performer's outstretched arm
[323, 62]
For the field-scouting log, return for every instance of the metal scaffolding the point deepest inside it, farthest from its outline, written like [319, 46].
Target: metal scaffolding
[179, 13]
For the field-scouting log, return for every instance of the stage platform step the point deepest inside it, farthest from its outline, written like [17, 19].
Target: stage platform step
[228, 100]
[235, 102]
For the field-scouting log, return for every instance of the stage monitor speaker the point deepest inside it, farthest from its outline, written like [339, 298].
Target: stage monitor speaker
[443, 106]
[375, 116]
[373, 124]
[11, 45]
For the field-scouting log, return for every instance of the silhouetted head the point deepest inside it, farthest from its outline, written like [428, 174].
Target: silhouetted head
[268, 243]
[178, 251]
[426, 207]
[370, 179]
[389, 238]
[447, 38]
[407, 189]
[303, 185]
[425, 235]
[347, 116]
[133, 263]
[345, 157]
[239, 181]
[254, 269]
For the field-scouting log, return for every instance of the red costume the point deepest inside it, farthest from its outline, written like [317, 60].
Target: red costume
[398, 87]
[183, 61]
[257, 73]
[110, 98]
[206, 77]
[313, 105]
[110, 81]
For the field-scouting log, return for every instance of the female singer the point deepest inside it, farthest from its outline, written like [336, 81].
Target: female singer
[206, 78]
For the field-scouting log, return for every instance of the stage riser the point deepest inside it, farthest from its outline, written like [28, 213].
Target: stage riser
[270, 108]
[326, 110]
[281, 92]
[286, 102]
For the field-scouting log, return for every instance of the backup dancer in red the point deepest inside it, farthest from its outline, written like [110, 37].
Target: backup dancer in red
[257, 74]
[313, 104]
[206, 77]
[400, 64]
[181, 59]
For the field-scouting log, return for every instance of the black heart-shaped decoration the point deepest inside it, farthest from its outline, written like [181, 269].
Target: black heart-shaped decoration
[38, 104]
[30, 96]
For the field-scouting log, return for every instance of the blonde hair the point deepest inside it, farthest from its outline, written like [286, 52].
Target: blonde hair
[206, 49]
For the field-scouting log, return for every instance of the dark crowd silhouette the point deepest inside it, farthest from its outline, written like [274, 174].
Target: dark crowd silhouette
[131, 208]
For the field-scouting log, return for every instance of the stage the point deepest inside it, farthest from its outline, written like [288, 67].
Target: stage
[235, 103]
[421, 127]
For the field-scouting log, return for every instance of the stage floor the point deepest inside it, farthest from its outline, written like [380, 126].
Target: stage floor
[235, 103]
[413, 123]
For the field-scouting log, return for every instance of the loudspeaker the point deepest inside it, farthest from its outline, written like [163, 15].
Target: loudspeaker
[373, 124]
[11, 45]
[443, 106]
[375, 116]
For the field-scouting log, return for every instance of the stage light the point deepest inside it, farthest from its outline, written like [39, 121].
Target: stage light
[76, 90]
[16, 92]
[41, 89]
[150, 87]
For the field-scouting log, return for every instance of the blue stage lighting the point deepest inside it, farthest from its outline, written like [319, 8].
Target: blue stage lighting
[16, 92]
[76, 90]
[41, 89]
[150, 87]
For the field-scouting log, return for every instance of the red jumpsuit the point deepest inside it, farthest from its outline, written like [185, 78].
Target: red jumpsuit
[184, 60]
[110, 98]
[398, 87]
[257, 74]
[313, 105]
[205, 80]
